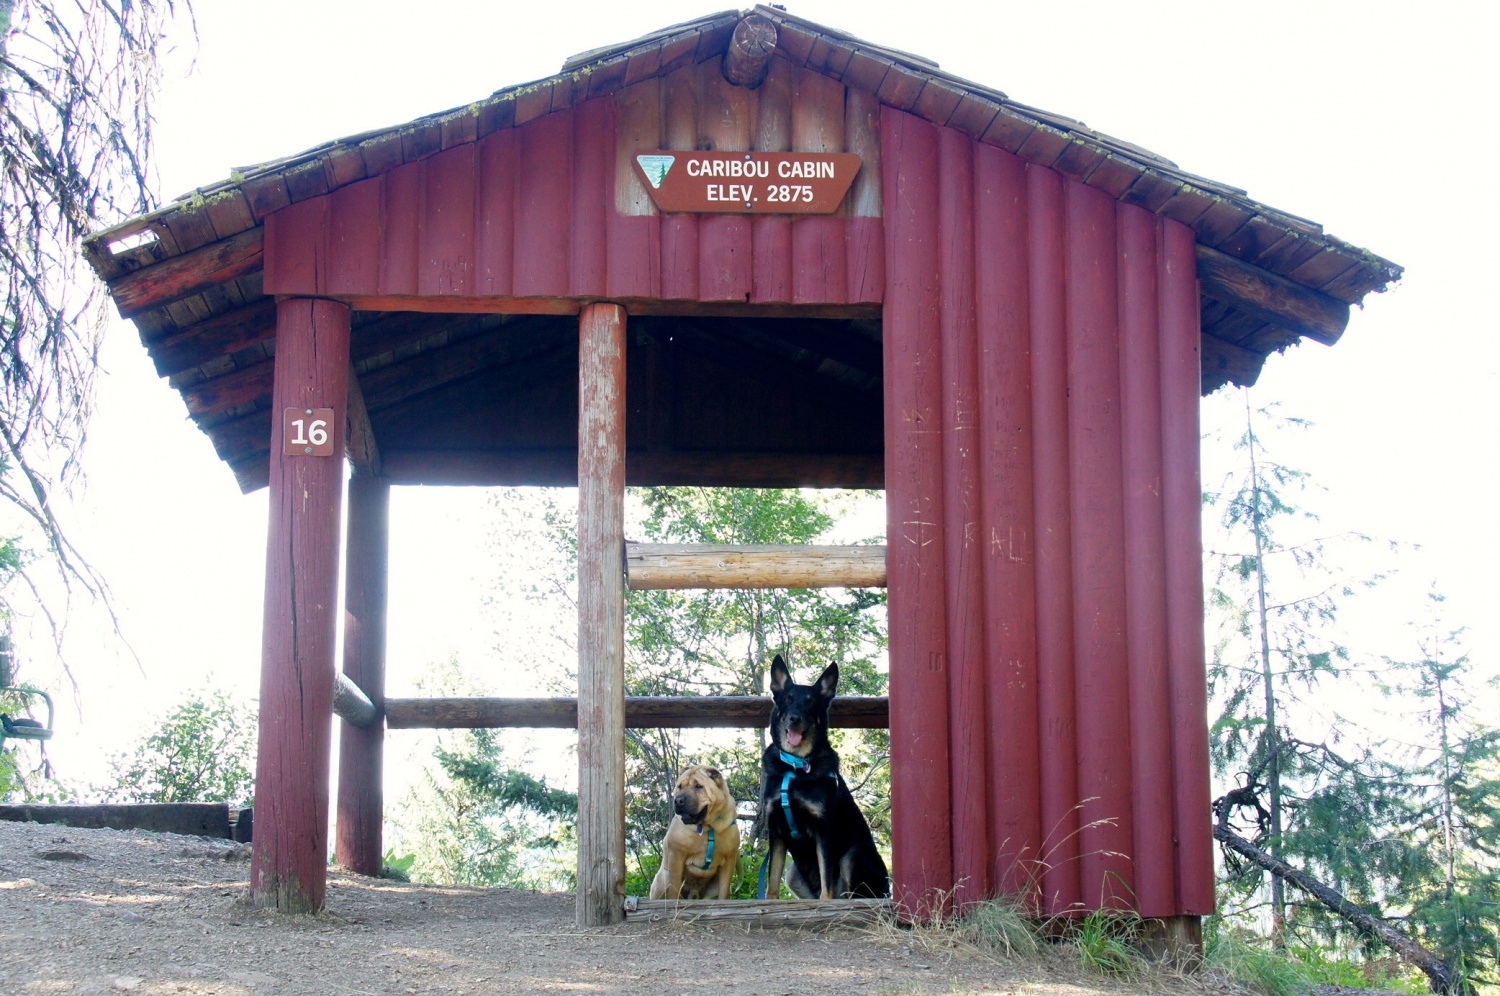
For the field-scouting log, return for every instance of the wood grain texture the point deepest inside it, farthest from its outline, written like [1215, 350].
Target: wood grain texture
[1098, 600]
[744, 712]
[361, 800]
[190, 273]
[1057, 852]
[289, 862]
[921, 836]
[693, 565]
[601, 615]
[963, 449]
[1151, 774]
[1181, 508]
[1271, 298]
[1007, 518]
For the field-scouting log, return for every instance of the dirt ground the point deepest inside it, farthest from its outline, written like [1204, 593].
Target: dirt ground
[106, 911]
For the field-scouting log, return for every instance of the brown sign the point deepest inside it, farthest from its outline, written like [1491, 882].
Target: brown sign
[307, 431]
[748, 182]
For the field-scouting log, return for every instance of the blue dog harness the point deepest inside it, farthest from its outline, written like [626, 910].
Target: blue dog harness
[709, 860]
[800, 766]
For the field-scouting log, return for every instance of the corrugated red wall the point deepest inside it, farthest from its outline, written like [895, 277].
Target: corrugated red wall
[1048, 728]
[1048, 723]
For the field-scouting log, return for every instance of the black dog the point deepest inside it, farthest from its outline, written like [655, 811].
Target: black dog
[805, 806]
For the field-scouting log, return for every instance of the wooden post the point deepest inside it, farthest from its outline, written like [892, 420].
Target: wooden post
[361, 750]
[601, 615]
[289, 861]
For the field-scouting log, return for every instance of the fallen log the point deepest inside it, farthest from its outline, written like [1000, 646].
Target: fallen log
[1441, 976]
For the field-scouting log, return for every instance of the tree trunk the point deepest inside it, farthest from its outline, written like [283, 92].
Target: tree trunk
[1441, 976]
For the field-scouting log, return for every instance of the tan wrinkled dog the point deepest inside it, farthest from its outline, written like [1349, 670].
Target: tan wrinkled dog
[702, 846]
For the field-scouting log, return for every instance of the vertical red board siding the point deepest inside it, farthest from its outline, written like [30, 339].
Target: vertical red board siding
[295, 246]
[449, 212]
[1145, 564]
[289, 859]
[866, 270]
[820, 260]
[679, 257]
[356, 221]
[533, 211]
[1181, 371]
[1057, 852]
[724, 263]
[921, 794]
[963, 442]
[495, 237]
[679, 232]
[633, 257]
[725, 124]
[593, 200]
[1007, 518]
[405, 190]
[771, 276]
[1102, 689]
[544, 187]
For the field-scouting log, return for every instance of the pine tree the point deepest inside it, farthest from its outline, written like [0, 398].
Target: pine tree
[1277, 598]
[1448, 886]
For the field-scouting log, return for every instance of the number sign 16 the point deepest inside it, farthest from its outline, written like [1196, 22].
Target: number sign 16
[307, 431]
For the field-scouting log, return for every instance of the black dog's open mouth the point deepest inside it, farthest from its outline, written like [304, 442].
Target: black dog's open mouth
[793, 735]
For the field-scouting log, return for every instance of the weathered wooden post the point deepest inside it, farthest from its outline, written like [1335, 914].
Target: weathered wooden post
[361, 750]
[289, 860]
[601, 615]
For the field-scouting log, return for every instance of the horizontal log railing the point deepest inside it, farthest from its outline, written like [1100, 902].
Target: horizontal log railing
[699, 565]
[641, 712]
[658, 566]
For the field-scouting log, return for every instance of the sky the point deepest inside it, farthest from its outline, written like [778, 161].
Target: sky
[1366, 117]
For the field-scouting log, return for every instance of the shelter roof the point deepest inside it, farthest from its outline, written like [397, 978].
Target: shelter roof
[189, 273]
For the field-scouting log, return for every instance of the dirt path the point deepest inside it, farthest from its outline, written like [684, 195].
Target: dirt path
[105, 911]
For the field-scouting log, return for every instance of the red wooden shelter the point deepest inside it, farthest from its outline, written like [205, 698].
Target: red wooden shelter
[1006, 321]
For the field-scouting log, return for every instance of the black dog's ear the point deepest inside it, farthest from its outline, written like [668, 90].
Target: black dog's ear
[780, 676]
[828, 681]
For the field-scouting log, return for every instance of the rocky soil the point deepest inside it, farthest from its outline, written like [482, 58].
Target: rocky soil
[105, 911]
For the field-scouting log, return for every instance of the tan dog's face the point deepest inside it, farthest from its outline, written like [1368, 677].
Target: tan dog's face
[699, 788]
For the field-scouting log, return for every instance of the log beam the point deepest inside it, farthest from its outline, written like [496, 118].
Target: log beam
[601, 615]
[748, 59]
[1226, 363]
[651, 566]
[214, 337]
[351, 704]
[745, 712]
[1271, 298]
[192, 272]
